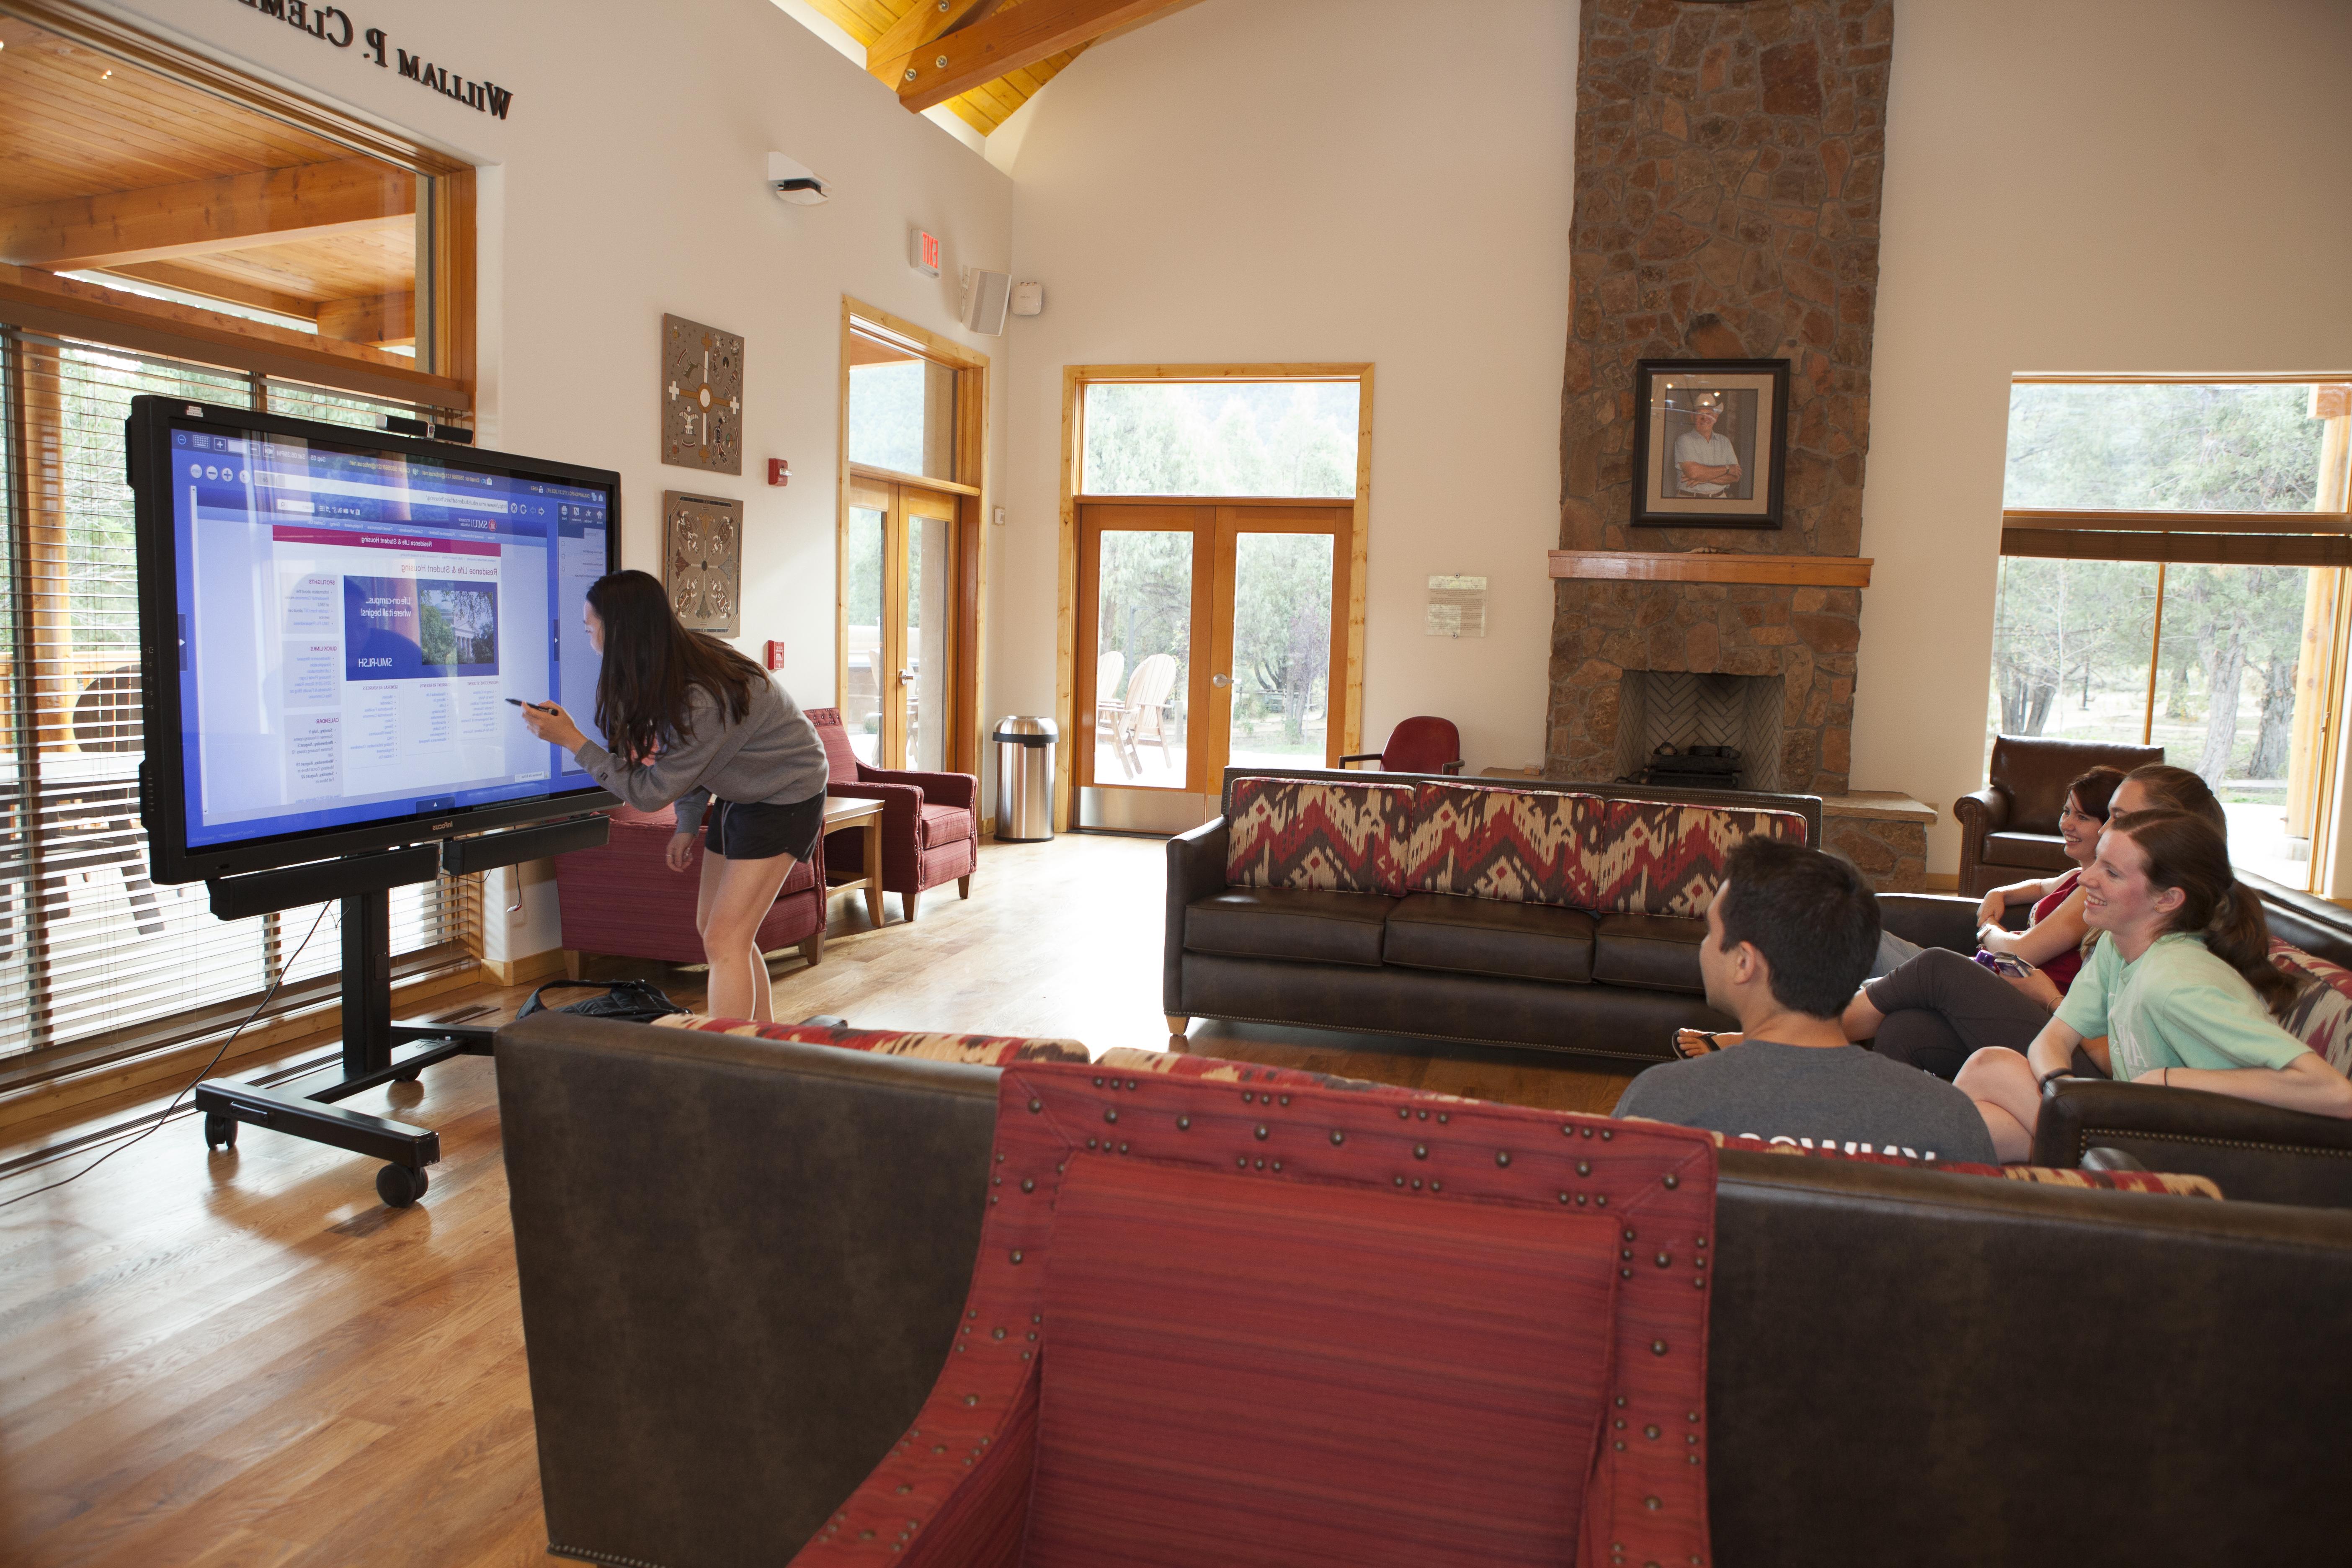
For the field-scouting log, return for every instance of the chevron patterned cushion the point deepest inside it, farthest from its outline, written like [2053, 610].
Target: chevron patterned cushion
[1326, 837]
[1656, 859]
[1525, 846]
[2321, 1017]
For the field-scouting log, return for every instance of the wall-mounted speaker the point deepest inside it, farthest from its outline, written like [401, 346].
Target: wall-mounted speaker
[985, 296]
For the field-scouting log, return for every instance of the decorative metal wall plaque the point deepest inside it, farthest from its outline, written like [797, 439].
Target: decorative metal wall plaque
[702, 397]
[702, 561]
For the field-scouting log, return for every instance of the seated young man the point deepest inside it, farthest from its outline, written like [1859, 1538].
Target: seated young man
[1790, 935]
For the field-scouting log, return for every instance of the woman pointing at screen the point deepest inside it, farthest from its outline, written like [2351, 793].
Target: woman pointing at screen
[689, 718]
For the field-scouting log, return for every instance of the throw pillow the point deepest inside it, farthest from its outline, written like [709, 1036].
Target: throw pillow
[1324, 838]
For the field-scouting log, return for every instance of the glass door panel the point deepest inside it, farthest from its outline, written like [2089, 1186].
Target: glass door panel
[861, 697]
[1143, 655]
[930, 577]
[1281, 669]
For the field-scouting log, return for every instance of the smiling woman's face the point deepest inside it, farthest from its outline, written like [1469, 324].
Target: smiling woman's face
[2117, 895]
[2080, 829]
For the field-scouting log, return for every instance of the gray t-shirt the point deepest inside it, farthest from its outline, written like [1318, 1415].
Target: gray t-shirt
[771, 756]
[1817, 1097]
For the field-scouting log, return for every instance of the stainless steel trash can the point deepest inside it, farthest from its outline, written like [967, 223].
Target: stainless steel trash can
[1025, 778]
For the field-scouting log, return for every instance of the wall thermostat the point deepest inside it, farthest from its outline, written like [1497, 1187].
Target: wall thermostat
[1028, 298]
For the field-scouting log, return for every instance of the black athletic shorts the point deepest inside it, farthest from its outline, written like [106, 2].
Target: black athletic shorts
[764, 832]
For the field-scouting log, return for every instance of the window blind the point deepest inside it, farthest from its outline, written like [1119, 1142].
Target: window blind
[92, 954]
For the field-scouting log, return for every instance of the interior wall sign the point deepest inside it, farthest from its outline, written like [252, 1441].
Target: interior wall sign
[334, 25]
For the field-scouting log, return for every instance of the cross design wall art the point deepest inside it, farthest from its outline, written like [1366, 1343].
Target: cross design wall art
[702, 397]
[702, 561]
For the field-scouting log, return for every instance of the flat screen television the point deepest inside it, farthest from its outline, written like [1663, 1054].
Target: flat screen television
[332, 621]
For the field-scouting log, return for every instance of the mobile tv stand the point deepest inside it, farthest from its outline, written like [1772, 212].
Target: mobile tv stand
[377, 1047]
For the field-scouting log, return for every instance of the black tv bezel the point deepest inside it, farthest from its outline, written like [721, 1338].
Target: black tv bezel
[163, 804]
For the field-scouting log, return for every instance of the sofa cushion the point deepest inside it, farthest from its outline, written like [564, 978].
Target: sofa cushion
[1310, 836]
[1651, 952]
[2028, 851]
[1530, 847]
[1658, 859]
[1310, 927]
[942, 825]
[1480, 936]
[2321, 1017]
[1246, 1369]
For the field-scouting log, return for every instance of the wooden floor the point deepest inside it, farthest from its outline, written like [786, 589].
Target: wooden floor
[243, 1359]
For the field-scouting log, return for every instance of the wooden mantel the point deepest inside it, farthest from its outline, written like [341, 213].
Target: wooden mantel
[1686, 566]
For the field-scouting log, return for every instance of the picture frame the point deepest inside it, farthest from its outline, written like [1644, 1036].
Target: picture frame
[702, 561]
[701, 397]
[1710, 442]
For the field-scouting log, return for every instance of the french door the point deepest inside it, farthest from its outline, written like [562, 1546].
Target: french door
[1207, 636]
[901, 581]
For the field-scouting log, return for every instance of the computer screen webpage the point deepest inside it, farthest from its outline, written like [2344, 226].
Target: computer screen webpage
[352, 622]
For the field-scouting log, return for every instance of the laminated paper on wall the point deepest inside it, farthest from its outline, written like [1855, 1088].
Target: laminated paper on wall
[1457, 607]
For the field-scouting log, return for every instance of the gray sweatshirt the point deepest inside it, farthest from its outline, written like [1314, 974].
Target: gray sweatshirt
[772, 757]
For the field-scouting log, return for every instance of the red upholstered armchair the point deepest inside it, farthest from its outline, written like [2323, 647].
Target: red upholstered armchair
[931, 822]
[1419, 745]
[1238, 1316]
[622, 900]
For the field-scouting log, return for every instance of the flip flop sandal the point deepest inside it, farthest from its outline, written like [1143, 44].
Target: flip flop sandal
[1692, 1043]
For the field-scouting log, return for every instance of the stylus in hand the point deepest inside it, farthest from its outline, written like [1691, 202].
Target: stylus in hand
[550, 723]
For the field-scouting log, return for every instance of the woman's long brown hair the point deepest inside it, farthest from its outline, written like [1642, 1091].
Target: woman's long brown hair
[652, 661]
[2183, 851]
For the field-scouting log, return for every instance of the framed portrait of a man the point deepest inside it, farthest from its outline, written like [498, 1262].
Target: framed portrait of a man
[1709, 440]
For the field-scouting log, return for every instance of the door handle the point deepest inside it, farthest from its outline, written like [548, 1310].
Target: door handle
[1221, 681]
[906, 678]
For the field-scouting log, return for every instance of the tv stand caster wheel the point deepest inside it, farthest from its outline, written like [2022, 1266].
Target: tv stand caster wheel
[399, 1186]
[220, 1129]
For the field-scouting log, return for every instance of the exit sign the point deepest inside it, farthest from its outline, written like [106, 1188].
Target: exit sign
[923, 252]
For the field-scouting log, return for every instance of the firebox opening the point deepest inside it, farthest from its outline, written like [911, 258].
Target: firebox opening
[1677, 708]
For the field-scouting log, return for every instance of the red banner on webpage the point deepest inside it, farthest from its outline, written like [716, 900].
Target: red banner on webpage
[360, 538]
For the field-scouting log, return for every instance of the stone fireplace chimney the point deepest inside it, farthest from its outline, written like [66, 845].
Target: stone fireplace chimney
[1728, 170]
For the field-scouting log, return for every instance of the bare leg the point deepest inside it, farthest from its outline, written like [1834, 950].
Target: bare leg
[734, 898]
[2001, 1083]
[1861, 1020]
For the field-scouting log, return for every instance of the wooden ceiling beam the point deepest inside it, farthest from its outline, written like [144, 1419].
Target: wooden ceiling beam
[888, 56]
[1010, 39]
[229, 213]
[212, 286]
[377, 319]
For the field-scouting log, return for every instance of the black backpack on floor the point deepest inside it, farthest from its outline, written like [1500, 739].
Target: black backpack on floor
[628, 1001]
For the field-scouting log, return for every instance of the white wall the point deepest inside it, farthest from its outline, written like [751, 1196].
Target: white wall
[2102, 186]
[626, 182]
[1320, 180]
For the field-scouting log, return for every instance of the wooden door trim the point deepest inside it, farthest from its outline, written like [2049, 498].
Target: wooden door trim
[1075, 379]
[971, 512]
[1202, 526]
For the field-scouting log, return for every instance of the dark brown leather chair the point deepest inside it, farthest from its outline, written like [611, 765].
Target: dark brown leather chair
[2009, 829]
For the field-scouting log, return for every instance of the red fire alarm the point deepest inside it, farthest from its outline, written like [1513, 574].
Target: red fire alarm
[780, 471]
[775, 656]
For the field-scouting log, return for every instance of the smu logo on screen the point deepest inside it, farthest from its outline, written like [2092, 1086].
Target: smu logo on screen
[419, 628]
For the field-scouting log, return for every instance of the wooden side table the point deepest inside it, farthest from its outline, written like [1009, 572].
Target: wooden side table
[866, 814]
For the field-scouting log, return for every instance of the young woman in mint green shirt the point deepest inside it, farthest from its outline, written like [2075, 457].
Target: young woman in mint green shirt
[2181, 983]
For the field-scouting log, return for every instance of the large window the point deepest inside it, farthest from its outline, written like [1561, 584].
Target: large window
[2172, 574]
[168, 227]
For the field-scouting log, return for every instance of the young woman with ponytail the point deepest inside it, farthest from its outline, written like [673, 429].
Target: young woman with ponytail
[2180, 983]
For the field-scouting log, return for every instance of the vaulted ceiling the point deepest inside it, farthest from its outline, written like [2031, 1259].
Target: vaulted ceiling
[982, 58]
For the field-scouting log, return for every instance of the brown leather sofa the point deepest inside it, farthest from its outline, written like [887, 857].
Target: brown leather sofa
[742, 1262]
[2009, 829]
[1457, 969]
